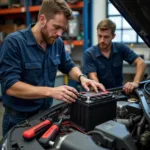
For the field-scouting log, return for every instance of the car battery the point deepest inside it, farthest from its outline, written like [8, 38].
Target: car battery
[92, 108]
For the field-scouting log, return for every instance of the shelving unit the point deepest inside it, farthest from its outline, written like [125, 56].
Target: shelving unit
[75, 42]
[33, 9]
[85, 5]
[12, 11]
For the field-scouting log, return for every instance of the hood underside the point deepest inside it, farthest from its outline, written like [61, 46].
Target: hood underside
[137, 14]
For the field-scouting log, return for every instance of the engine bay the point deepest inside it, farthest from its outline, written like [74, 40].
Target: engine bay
[99, 121]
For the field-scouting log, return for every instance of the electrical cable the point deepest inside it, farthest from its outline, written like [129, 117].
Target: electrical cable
[8, 135]
[68, 123]
[72, 125]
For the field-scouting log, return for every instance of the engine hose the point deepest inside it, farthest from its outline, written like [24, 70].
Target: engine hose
[140, 126]
[137, 119]
[129, 122]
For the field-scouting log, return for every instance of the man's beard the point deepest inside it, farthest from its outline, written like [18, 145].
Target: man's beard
[104, 46]
[51, 40]
[48, 40]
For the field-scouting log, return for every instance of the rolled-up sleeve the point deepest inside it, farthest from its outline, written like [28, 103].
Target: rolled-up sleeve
[129, 55]
[10, 66]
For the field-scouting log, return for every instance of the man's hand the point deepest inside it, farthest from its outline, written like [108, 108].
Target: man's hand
[95, 85]
[64, 93]
[129, 86]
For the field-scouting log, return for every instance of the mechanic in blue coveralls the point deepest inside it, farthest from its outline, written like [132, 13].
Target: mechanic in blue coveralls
[29, 60]
[104, 61]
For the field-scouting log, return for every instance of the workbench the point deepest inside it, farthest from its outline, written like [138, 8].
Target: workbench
[130, 69]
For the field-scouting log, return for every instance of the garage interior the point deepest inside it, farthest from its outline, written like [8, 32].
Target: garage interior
[14, 17]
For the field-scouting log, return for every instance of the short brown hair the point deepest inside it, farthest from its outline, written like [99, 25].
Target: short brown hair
[51, 7]
[107, 24]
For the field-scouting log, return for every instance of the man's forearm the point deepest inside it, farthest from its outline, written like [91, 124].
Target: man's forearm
[75, 73]
[27, 91]
[93, 76]
[140, 69]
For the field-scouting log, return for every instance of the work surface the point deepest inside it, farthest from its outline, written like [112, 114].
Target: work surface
[130, 69]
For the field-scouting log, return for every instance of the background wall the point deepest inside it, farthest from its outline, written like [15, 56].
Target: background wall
[99, 13]
[142, 50]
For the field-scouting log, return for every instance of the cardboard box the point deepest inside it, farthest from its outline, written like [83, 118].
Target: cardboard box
[21, 27]
[2, 2]
[9, 28]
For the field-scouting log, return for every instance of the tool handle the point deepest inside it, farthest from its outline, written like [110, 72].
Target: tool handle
[30, 133]
[49, 135]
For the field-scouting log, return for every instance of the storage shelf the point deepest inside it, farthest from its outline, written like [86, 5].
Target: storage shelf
[77, 5]
[75, 42]
[32, 9]
[12, 11]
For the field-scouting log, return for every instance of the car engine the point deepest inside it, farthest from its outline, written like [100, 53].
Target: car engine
[98, 121]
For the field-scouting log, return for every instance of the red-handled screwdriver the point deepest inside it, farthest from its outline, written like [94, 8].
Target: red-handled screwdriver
[31, 133]
[50, 134]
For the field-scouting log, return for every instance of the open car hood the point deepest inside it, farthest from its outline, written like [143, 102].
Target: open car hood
[137, 14]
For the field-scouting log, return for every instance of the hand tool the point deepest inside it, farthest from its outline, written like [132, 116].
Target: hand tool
[50, 134]
[32, 132]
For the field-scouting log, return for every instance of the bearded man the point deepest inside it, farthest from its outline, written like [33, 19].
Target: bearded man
[29, 60]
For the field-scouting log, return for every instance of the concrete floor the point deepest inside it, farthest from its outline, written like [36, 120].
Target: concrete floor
[1, 116]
